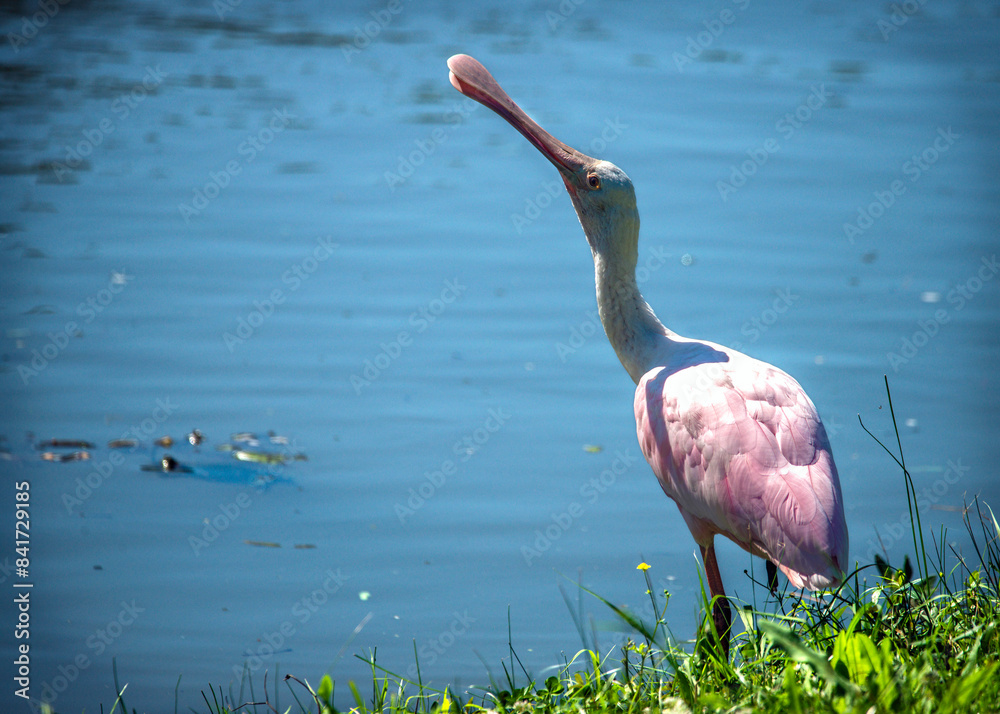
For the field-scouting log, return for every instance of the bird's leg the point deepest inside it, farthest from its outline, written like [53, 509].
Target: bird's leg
[772, 577]
[721, 614]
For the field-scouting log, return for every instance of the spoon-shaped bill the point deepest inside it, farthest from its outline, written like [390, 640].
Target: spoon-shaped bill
[470, 78]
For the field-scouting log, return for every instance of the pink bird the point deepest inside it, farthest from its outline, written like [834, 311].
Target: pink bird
[735, 442]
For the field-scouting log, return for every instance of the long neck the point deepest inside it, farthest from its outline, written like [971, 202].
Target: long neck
[633, 330]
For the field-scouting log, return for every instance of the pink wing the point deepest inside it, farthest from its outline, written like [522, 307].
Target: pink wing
[740, 448]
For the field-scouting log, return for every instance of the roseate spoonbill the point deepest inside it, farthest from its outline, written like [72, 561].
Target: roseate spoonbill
[735, 442]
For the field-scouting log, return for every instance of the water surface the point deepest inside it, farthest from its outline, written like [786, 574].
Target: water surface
[296, 225]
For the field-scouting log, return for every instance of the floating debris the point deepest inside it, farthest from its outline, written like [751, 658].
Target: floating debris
[277, 438]
[245, 437]
[225, 447]
[168, 464]
[65, 444]
[266, 457]
[164, 441]
[195, 437]
[258, 457]
[592, 448]
[262, 543]
[62, 458]
[364, 595]
[123, 443]
[304, 546]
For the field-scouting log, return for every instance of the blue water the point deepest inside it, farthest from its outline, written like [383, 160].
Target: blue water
[297, 225]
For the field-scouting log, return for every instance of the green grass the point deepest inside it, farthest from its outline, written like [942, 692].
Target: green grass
[888, 640]
[898, 644]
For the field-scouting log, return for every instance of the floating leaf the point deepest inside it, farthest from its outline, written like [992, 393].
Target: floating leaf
[304, 546]
[123, 444]
[266, 457]
[262, 543]
[62, 458]
[65, 444]
[259, 457]
[592, 448]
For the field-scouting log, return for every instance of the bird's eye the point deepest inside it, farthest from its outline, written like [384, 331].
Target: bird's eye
[594, 181]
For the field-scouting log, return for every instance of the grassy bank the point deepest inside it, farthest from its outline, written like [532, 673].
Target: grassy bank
[922, 636]
[920, 642]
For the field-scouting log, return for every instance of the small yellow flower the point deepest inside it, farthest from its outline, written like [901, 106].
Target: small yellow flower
[642, 566]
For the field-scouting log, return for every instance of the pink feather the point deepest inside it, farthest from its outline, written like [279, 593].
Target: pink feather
[740, 449]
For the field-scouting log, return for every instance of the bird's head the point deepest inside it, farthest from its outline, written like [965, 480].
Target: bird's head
[601, 192]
